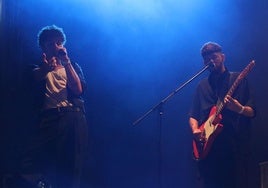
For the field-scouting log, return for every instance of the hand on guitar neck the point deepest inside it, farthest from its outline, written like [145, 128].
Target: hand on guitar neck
[233, 104]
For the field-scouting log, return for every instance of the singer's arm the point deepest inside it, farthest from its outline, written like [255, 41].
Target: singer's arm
[46, 66]
[73, 82]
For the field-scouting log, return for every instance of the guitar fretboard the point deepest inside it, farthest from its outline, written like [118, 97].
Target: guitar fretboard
[237, 81]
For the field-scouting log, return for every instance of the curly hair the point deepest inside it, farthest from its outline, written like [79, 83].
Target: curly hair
[49, 32]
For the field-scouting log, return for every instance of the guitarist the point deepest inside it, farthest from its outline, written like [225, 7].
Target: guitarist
[221, 168]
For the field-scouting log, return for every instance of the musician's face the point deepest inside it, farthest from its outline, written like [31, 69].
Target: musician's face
[52, 46]
[217, 59]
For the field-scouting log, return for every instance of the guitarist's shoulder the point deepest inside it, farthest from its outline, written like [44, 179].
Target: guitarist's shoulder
[203, 84]
[204, 80]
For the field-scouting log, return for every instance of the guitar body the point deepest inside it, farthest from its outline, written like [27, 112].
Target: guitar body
[209, 131]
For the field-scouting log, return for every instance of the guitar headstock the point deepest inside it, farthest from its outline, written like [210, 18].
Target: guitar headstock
[247, 69]
[240, 77]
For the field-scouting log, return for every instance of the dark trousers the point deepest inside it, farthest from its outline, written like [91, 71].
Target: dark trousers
[223, 171]
[60, 149]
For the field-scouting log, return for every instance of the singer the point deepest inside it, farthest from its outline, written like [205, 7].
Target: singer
[226, 163]
[58, 151]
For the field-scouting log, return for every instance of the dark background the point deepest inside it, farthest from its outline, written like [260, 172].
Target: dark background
[134, 54]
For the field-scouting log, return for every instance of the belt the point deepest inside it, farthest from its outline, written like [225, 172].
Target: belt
[58, 110]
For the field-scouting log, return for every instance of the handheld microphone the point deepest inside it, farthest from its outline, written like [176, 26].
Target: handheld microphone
[61, 52]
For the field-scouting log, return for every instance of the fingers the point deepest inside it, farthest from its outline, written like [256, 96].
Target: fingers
[52, 63]
[62, 54]
[196, 131]
[44, 58]
[49, 64]
[228, 99]
[232, 103]
[62, 51]
[199, 136]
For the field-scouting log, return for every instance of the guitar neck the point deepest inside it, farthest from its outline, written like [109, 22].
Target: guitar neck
[237, 81]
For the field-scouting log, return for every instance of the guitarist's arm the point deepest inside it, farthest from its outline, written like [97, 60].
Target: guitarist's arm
[194, 125]
[236, 106]
[197, 133]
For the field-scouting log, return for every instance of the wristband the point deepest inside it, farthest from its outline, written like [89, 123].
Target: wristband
[242, 110]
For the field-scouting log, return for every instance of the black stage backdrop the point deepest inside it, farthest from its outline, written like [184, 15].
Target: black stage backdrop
[132, 60]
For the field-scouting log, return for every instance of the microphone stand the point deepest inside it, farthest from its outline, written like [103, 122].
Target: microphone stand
[159, 106]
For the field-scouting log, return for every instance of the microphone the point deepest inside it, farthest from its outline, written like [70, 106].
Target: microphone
[211, 64]
[61, 52]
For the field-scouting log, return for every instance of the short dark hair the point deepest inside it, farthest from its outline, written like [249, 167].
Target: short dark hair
[209, 48]
[49, 32]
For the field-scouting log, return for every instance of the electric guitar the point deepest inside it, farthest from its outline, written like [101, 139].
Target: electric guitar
[212, 126]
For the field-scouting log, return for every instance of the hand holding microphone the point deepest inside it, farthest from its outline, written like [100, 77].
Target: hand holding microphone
[62, 52]
[63, 56]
